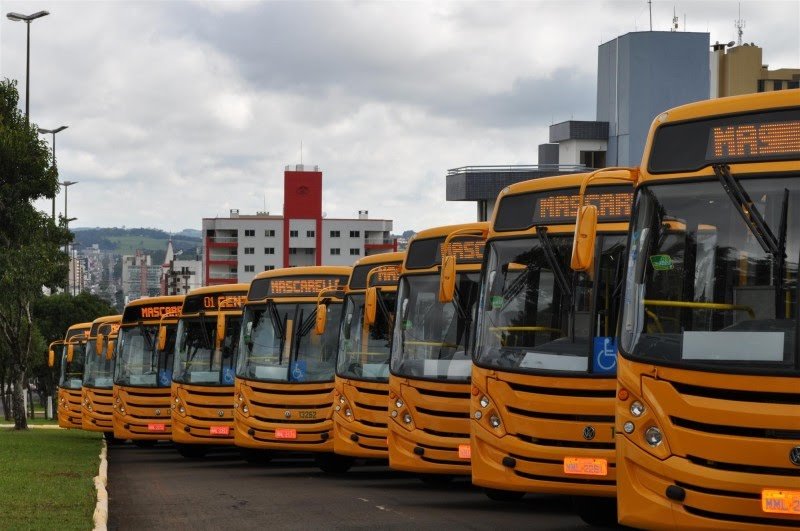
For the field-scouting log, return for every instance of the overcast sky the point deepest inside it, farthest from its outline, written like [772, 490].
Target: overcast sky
[179, 110]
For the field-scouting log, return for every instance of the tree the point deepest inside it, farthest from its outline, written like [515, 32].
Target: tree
[30, 242]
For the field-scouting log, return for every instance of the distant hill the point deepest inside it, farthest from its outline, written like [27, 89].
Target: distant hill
[127, 241]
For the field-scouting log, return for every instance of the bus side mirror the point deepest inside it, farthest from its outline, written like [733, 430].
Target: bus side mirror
[585, 233]
[98, 344]
[51, 358]
[220, 331]
[322, 319]
[70, 352]
[110, 349]
[162, 337]
[447, 279]
[370, 306]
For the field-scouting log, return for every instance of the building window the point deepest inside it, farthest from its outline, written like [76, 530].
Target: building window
[293, 234]
[308, 251]
[336, 250]
[777, 84]
[269, 250]
[249, 250]
[232, 270]
[593, 159]
[292, 250]
[335, 234]
[309, 233]
[269, 268]
[792, 84]
[761, 85]
[355, 233]
[249, 232]
[355, 252]
[269, 233]
[249, 269]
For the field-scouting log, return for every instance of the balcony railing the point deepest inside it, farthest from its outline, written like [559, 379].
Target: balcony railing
[379, 241]
[223, 239]
[223, 257]
[222, 276]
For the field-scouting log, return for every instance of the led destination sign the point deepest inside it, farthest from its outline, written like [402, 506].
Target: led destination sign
[214, 302]
[423, 254]
[134, 314]
[387, 275]
[523, 211]
[755, 137]
[299, 286]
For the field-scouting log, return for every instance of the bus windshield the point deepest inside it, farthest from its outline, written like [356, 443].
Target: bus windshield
[536, 313]
[704, 287]
[139, 362]
[98, 370]
[266, 353]
[71, 376]
[364, 351]
[197, 361]
[431, 338]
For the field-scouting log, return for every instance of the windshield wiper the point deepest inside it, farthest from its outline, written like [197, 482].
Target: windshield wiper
[280, 328]
[747, 208]
[550, 254]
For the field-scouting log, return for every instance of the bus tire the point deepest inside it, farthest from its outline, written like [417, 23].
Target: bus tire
[191, 451]
[333, 463]
[256, 457]
[147, 443]
[111, 440]
[436, 480]
[504, 495]
[596, 511]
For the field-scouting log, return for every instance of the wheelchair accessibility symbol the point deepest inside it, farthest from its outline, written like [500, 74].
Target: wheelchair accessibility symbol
[604, 358]
[298, 373]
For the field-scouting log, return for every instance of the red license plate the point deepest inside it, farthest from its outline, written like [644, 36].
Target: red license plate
[286, 434]
[585, 466]
[780, 501]
[464, 451]
[220, 430]
[156, 427]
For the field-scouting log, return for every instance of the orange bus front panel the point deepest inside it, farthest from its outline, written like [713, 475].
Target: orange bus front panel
[97, 411]
[284, 416]
[69, 408]
[202, 415]
[360, 420]
[142, 413]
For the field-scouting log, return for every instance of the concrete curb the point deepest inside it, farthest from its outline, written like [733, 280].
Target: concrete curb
[36, 426]
[100, 516]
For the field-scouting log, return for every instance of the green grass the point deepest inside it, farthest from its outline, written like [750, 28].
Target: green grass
[46, 478]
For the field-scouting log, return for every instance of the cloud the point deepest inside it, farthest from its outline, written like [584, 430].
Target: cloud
[182, 110]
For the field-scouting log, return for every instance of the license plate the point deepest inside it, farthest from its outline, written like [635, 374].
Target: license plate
[156, 427]
[286, 434]
[585, 466]
[464, 451]
[780, 501]
[220, 430]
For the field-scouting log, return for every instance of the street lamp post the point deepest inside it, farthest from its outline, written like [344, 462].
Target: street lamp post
[27, 19]
[66, 184]
[53, 132]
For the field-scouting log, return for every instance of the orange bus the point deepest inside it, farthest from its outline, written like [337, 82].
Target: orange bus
[708, 402]
[98, 382]
[543, 379]
[361, 390]
[285, 371]
[429, 381]
[71, 352]
[204, 362]
[143, 372]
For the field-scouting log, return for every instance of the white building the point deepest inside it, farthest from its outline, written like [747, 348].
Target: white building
[239, 246]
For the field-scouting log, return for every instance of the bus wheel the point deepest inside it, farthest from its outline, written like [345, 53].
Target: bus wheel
[111, 440]
[504, 495]
[191, 451]
[333, 464]
[256, 457]
[596, 511]
[436, 480]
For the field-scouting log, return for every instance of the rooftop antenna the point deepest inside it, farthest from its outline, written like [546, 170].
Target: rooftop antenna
[739, 26]
[650, 6]
[674, 20]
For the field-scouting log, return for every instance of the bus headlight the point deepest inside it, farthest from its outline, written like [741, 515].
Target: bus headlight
[653, 436]
[398, 403]
[494, 420]
[484, 401]
[637, 408]
[628, 427]
[407, 418]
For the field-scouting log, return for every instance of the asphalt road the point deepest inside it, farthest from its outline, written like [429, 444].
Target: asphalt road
[157, 488]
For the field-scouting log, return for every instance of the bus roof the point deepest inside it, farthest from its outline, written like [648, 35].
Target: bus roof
[78, 329]
[161, 299]
[444, 230]
[106, 319]
[222, 288]
[305, 270]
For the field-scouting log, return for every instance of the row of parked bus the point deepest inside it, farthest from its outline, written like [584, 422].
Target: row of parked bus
[628, 337]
